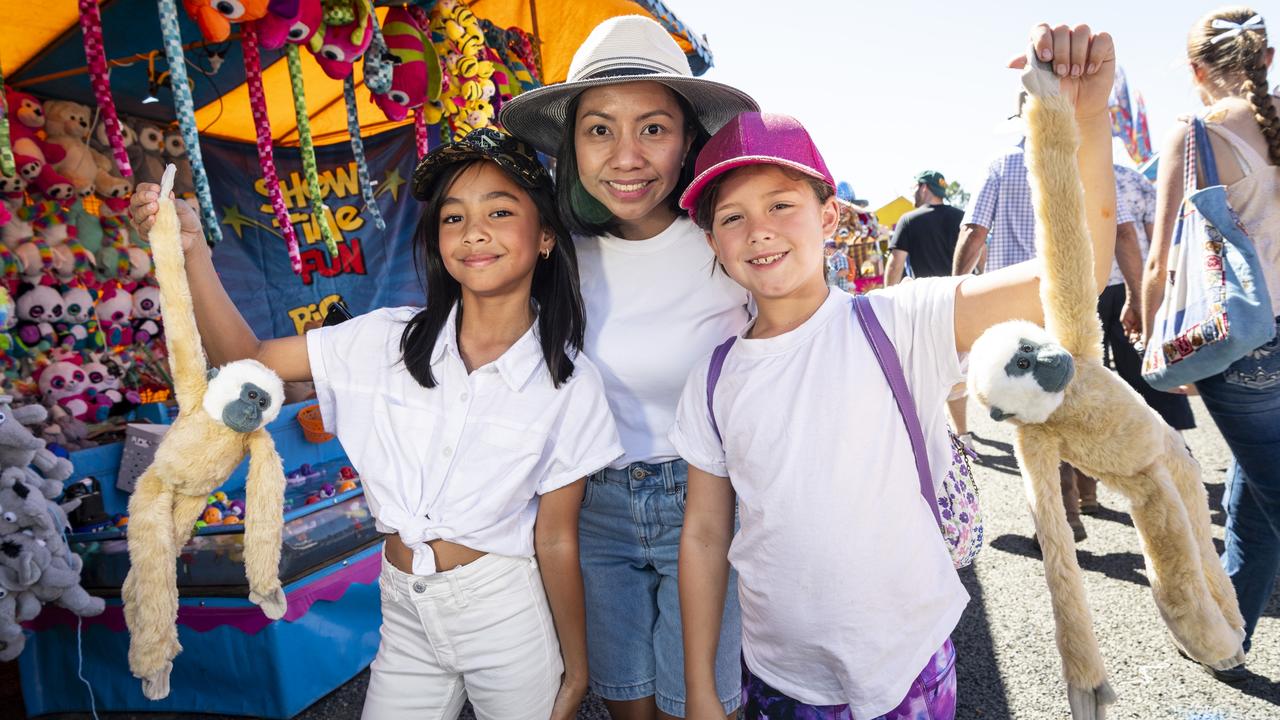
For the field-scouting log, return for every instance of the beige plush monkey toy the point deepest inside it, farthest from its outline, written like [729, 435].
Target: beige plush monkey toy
[1067, 406]
[221, 417]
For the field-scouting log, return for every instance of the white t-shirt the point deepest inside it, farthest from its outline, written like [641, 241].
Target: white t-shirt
[654, 307]
[466, 460]
[845, 583]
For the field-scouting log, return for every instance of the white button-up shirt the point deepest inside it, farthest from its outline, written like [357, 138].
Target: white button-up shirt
[464, 461]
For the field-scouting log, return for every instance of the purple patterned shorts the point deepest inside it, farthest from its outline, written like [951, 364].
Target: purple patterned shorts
[932, 696]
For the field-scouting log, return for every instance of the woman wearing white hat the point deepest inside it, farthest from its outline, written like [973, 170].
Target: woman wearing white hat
[625, 128]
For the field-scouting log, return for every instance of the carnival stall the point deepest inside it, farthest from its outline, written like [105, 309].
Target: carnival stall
[295, 126]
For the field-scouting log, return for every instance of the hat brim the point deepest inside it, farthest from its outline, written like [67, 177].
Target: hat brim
[539, 116]
[689, 199]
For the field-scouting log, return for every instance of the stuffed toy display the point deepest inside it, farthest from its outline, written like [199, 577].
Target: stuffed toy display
[68, 125]
[1066, 406]
[36, 566]
[221, 418]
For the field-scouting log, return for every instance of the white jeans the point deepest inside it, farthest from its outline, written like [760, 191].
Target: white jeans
[481, 632]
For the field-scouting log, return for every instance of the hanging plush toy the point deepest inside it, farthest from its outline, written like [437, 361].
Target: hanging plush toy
[307, 149]
[220, 419]
[95, 54]
[147, 327]
[289, 21]
[215, 16]
[185, 109]
[1067, 406]
[38, 308]
[343, 38]
[416, 76]
[266, 157]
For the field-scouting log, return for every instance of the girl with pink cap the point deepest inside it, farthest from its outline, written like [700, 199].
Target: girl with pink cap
[848, 599]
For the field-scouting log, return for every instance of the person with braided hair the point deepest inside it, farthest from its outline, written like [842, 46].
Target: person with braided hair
[1229, 58]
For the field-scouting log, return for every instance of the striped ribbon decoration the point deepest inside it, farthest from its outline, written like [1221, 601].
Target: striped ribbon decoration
[308, 148]
[96, 57]
[420, 130]
[7, 166]
[357, 149]
[185, 109]
[262, 126]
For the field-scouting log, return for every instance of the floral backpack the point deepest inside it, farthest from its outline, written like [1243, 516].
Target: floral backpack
[955, 504]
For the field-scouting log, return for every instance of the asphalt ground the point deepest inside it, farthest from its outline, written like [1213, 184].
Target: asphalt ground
[1008, 664]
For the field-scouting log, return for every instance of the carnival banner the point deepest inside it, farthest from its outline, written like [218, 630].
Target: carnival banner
[372, 269]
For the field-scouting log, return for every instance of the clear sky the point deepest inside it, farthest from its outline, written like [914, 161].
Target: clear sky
[892, 87]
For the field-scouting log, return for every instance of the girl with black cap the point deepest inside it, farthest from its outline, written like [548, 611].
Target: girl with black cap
[472, 420]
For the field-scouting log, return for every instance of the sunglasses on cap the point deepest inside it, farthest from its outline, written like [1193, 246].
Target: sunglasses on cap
[510, 154]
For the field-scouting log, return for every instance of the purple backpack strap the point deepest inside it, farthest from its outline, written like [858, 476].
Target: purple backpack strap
[891, 366]
[713, 377]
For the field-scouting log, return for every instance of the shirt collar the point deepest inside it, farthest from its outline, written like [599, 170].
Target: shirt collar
[516, 366]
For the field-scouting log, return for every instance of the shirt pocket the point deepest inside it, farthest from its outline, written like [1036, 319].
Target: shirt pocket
[395, 451]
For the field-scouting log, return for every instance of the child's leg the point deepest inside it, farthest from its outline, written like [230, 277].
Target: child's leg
[411, 677]
[499, 631]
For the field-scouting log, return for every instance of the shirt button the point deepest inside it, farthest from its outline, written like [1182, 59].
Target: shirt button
[419, 587]
[463, 397]
[448, 451]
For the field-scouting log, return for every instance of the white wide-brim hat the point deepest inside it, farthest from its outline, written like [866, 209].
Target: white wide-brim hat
[629, 48]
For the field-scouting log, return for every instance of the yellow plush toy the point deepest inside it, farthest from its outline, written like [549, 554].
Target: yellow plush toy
[220, 419]
[1067, 406]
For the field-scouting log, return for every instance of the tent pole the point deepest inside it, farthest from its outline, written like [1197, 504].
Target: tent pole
[537, 39]
[117, 62]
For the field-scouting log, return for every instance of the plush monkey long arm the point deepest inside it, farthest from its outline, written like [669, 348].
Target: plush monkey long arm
[1062, 240]
[1069, 407]
[220, 419]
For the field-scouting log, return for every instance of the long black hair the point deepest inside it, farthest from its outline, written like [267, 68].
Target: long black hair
[594, 219]
[561, 319]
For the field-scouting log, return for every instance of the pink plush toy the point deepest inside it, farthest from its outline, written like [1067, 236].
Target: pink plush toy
[115, 313]
[416, 77]
[337, 46]
[293, 21]
[64, 383]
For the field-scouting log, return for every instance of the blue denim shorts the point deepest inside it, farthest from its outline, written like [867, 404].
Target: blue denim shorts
[629, 545]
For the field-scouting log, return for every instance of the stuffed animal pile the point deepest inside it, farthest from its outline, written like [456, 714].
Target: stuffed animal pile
[77, 286]
[36, 565]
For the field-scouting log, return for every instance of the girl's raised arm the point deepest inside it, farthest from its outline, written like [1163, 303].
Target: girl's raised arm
[226, 335]
[1085, 62]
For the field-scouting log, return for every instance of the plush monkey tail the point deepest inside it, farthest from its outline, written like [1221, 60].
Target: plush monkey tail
[1067, 288]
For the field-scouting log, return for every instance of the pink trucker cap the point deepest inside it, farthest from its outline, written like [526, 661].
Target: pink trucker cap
[754, 138]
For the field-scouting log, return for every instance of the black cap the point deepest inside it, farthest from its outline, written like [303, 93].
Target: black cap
[510, 154]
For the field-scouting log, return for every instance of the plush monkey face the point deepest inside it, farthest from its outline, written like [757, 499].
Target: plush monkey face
[1019, 372]
[243, 395]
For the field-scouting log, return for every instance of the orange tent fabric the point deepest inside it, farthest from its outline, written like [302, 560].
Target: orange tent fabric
[562, 26]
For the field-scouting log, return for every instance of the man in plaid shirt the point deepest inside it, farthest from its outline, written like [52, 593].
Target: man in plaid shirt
[1000, 220]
